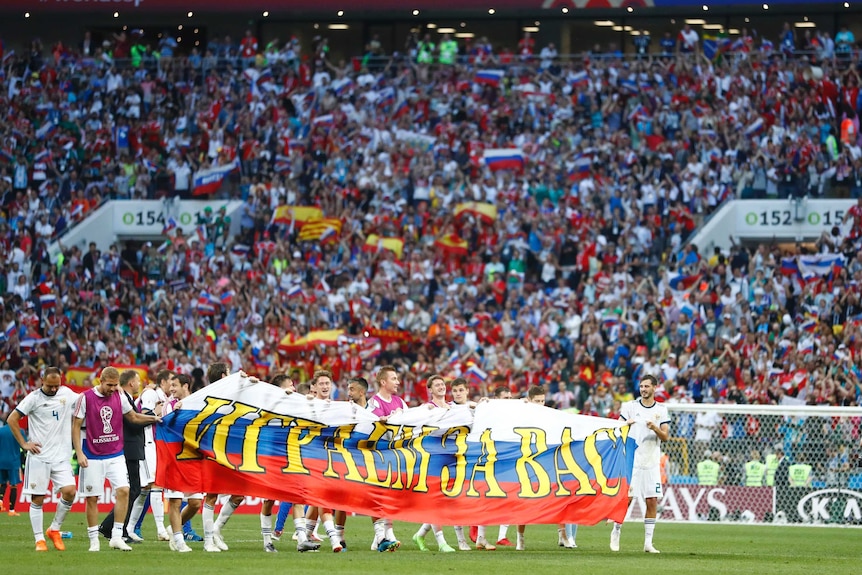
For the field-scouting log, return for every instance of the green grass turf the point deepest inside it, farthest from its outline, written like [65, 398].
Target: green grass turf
[686, 549]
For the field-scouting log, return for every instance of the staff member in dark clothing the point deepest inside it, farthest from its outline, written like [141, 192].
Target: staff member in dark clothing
[133, 449]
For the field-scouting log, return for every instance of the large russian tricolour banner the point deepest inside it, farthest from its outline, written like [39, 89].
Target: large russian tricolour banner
[504, 462]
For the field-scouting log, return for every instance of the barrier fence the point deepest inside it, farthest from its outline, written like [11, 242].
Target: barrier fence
[762, 464]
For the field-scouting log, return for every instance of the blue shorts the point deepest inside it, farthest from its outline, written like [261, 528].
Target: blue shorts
[12, 476]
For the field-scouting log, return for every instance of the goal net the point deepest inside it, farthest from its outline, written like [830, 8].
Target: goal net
[761, 464]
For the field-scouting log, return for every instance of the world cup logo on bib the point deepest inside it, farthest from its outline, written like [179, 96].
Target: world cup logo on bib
[106, 413]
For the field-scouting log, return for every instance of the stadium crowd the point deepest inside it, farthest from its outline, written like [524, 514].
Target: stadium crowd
[570, 271]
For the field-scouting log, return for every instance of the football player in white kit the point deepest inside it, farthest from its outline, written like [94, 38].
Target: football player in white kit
[151, 401]
[49, 452]
[650, 425]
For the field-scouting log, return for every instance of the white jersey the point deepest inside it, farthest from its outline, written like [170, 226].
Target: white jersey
[49, 423]
[648, 453]
[80, 409]
[147, 402]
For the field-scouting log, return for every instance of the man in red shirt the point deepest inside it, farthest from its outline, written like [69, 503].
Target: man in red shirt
[248, 46]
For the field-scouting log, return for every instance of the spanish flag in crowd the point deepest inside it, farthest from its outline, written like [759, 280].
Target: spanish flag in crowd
[142, 370]
[328, 337]
[482, 210]
[452, 244]
[320, 230]
[77, 376]
[300, 214]
[374, 243]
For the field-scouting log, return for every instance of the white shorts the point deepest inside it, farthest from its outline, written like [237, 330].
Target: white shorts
[646, 483]
[147, 469]
[38, 474]
[171, 494]
[91, 479]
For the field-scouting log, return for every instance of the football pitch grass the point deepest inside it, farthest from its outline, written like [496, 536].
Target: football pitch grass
[685, 549]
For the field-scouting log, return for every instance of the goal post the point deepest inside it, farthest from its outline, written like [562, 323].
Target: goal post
[761, 464]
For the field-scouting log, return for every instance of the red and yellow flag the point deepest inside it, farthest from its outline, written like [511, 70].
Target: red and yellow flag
[376, 243]
[312, 338]
[301, 214]
[320, 230]
[452, 244]
[77, 376]
[482, 210]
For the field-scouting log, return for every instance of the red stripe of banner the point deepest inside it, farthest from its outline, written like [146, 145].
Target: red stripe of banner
[363, 499]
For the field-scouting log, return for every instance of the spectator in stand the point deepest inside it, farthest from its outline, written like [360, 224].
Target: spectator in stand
[614, 181]
[642, 42]
[844, 41]
[689, 40]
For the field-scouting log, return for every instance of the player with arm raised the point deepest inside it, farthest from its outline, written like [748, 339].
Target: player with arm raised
[49, 452]
[180, 389]
[437, 400]
[650, 425]
[212, 529]
[285, 383]
[151, 402]
[383, 404]
[321, 388]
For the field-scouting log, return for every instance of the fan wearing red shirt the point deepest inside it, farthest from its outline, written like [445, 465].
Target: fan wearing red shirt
[526, 46]
[248, 46]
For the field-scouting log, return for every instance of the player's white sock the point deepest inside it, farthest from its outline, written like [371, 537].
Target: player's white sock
[424, 529]
[459, 533]
[266, 529]
[340, 530]
[178, 539]
[480, 533]
[572, 531]
[329, 527]
[301, 531]
[157, 504]
[209, 523]
[504, 530]
[315, 528]
[117, 531]
[138, 508]
[380, 529]
[93, 534]
[36, 521]
[520, 540]
[63, 507]
[390, 533]
[618, 527]
[649, 529]
[438, 534]
[225, 513]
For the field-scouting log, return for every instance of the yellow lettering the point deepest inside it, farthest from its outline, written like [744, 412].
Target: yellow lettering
[412, 452]
[460, 475]
[489, 454]
[303, 433]
[222, 430]
[341, 434]
[252, 434]
[570, 467]
[193, 433]
[595, 460]
[371, 453]
[531, 436]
